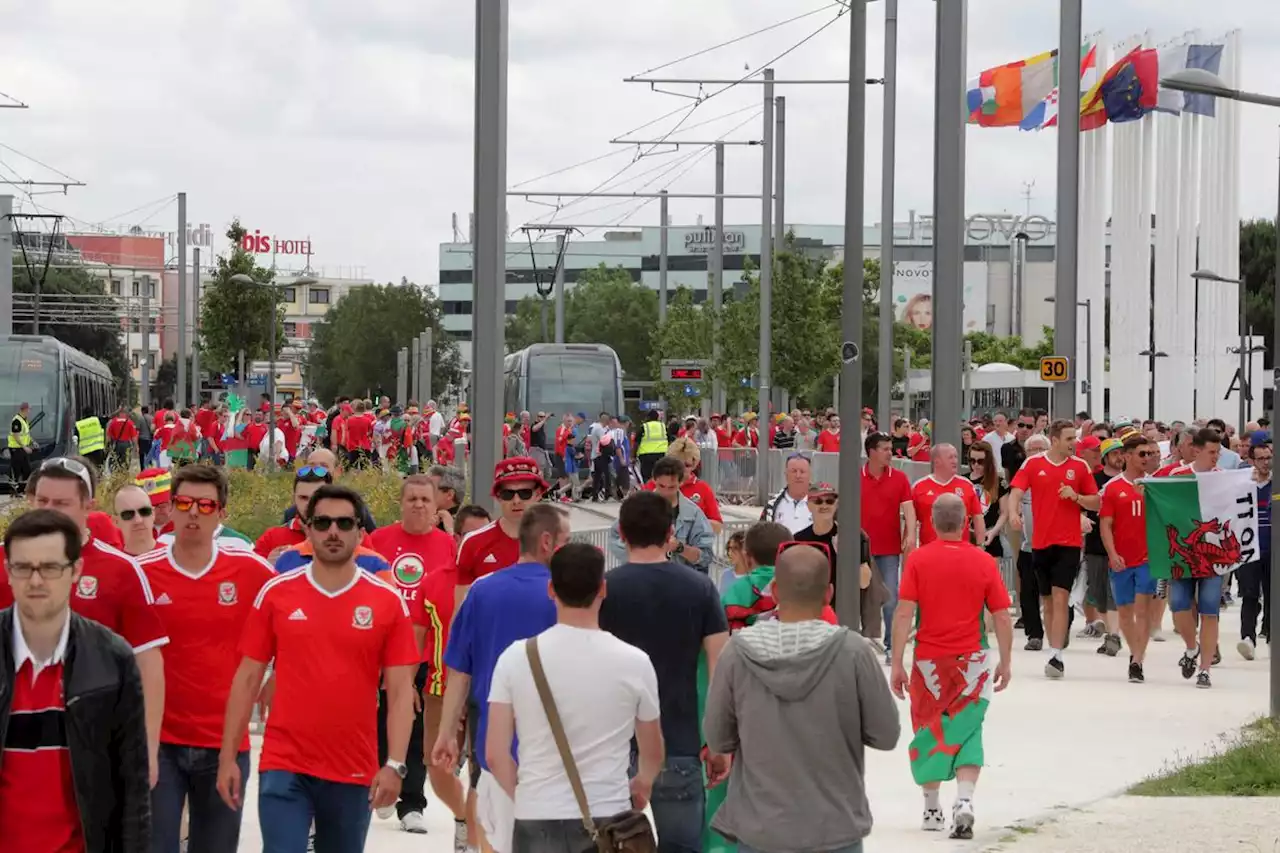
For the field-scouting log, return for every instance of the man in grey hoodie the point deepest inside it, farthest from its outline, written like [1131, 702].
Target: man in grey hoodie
[796, 701]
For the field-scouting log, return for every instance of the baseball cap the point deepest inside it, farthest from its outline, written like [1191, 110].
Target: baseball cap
[818, 489]
[1089, 442]
[1259, 438]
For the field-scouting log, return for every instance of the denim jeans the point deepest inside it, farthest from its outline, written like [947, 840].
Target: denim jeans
[888, 568]
[852, 848]
[679, 805]
[289, 802]
[190, 774]
[551, 836]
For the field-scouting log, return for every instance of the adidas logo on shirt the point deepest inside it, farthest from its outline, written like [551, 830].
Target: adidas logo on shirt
[489, 558]
[1040, 474]
[297, 616]
[164, 599]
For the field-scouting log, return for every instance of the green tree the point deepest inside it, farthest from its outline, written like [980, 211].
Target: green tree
[686, 334]
[604, 305]
[353, 349]
[234, 315]
[806, 332]
[91, 324]
[1258, 266]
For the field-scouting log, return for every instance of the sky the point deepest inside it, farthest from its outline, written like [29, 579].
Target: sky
[351, 123]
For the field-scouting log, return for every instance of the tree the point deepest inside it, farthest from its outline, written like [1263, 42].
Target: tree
[164, 382]
[91, 322]
[234, 315]
[1258, 266]
[686, 334]
[603, 306]
[353, 349]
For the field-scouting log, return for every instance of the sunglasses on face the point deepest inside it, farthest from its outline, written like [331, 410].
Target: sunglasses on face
[205, 506]
[1024, 425]
[1147, 454]
[48, 571]
[796, 543]
[511, 494]
[977, 460]
[130, 514]
[319, 472]
[828, 500]
[345, 523]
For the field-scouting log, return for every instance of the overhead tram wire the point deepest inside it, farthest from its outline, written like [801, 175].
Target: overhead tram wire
[648, 201]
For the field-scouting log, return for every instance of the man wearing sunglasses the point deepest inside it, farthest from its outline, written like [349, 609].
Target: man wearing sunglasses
[135, 519]
[517, 485]
[336, 633]
[274, 541]
[204, 593]
[112, 589]
[74, 774]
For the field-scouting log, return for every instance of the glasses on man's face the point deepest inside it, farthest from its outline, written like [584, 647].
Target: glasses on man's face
[512, 494]
[825, 500]
[1026, 425]
[205, 506]
[48, 571]
[131, 514]
[1147, 454]
[345, 523]
[796, 543]
[317, 472]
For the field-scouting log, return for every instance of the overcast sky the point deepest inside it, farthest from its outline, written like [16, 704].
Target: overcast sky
[351, 123]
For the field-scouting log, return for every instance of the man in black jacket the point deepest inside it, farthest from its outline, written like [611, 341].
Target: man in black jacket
[74, 767]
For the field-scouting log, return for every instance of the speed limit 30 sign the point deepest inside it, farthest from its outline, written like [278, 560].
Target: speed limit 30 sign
[1055, 368]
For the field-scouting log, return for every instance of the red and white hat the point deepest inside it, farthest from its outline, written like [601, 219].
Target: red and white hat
[517, 469]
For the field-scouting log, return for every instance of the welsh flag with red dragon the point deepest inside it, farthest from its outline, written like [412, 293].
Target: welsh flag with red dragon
[1201, 525]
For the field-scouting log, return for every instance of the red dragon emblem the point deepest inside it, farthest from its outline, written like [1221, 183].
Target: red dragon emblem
[1200, 556]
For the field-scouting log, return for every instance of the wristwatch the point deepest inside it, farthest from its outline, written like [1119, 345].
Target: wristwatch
[401, 769]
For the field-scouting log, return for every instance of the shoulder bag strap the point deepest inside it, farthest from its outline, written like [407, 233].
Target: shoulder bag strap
[557, 731]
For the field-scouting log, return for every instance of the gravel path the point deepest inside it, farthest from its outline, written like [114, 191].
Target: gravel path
[1166, 824]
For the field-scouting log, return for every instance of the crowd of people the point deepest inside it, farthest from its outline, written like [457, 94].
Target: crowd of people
[703, 689]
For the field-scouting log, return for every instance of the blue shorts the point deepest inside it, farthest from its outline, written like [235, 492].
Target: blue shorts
[1132, 582]
[1205, 592]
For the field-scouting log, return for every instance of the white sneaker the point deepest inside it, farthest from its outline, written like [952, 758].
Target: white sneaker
[386, 812]
[933, 821]
[1157, 636]
[460, 836]
[414, 822]
[962, 819]
[1246, 648]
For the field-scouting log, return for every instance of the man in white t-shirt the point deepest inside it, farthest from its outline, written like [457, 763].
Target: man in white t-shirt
[605, 691]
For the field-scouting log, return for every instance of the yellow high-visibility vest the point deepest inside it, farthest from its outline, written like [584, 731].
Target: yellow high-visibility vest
[653, 439]
[21, 438]
[90, 435]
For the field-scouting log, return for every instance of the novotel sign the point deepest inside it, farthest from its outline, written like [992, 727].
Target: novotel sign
[264, 244]
[703, 242]
[984, 227]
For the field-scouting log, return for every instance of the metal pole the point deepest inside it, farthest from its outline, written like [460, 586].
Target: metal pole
[144, 383]
[182, 398]
[716, 284]
[490, 186]
[764, 389]
[662, 258]
[402, 376]
[6, 268]
[415, 370]
[1088, 370]
[559, 286]
[948, 212]
[850, 401]
[887, 170]
[195, 325]
[542, 303]
[243, 382]
[428, 341]
[968, 380]
[1065, 285]
[780, 173]
[1245, 389]
[1273, 594]
[271, 384]
[906, 384]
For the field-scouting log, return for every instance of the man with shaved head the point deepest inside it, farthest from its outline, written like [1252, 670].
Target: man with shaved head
[945, 587]
[945, 480]
[797, 701]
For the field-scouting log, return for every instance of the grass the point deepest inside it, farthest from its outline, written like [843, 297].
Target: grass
[257, 500]
[1247, 766]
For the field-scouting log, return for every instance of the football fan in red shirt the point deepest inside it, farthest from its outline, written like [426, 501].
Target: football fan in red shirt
[749, 435]
[156, 482]
[275, 540]
[335, 633]
[943, 480]
[517, 484]
[204, 595]
[122, 436]
[421, 556]
[158, 420]
[359, 437]
[112, 589]
[829, 438]
[135, 519]
[1061, 485]
[1123, 526]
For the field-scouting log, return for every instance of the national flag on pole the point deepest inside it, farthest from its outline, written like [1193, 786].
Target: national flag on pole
[1201, 525]
[1003, 96]
[1045, 113]
[1127, 92]
[1180, 58]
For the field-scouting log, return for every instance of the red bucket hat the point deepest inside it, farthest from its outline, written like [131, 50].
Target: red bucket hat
[515, 470]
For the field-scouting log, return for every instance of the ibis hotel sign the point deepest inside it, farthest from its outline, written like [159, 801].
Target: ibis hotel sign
[703, 242]
[264, 244]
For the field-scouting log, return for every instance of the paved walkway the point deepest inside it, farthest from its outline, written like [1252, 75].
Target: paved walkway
[1052, 747]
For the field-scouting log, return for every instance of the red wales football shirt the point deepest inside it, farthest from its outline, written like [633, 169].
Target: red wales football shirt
[951, 582]
[423, 571]
[330, 649]
[113, 591]
[205, 614]
[484, 551]
[1055, 520]
[925, 493]
[1123, 503]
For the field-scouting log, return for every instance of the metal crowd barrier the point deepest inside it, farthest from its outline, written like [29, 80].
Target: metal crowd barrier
[733, 472]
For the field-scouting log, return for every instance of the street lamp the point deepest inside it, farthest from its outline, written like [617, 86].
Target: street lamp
[1152, 355]
[1201, 82]
[1087, 305]
[1208, 275]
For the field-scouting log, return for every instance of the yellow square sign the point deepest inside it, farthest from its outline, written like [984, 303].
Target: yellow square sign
[1055, 368]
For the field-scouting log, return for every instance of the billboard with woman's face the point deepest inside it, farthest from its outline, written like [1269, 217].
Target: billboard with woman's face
[913, 295]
